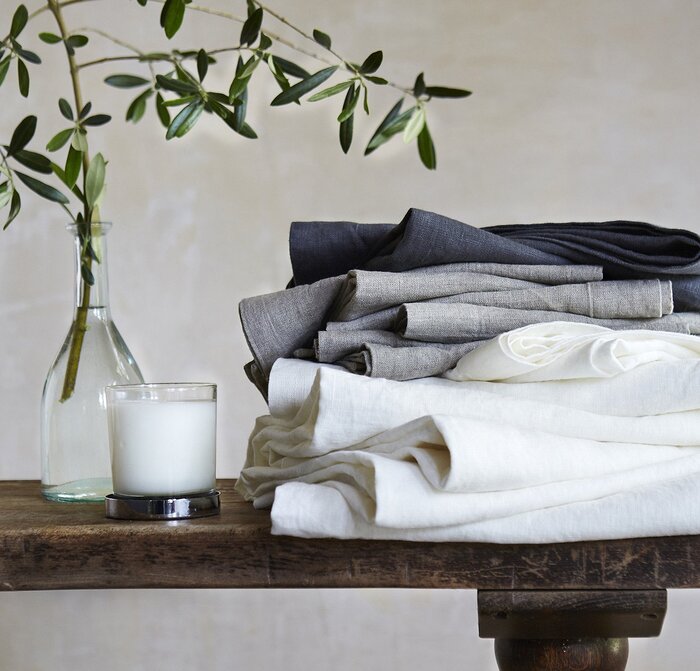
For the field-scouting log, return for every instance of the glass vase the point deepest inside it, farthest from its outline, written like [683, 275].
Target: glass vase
[74, 435]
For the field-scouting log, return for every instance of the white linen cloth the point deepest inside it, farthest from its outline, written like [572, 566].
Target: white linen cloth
[667, 508]
[443, 460]
[565, 350]
[656, 388]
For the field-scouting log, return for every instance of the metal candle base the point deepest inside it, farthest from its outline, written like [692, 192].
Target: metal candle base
[186, 506]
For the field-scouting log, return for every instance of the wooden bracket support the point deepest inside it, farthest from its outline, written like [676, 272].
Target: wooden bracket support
[568, 630]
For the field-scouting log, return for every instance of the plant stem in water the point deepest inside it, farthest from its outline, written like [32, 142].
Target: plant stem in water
[80, 322]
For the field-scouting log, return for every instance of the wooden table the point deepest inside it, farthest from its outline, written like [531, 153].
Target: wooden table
[549, 607]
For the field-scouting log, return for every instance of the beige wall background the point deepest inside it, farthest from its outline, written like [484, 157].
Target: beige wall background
[582, 111]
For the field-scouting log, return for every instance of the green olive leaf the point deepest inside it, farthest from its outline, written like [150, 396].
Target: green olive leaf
[19, 21]
[185, 120]
[291, 69]
[415, 125]
[331, 91]
[15, 207]
[371, 63]
[66, 109]
[446, 92]
[22, 78]
[58, 140]
[171, 16]
[350, 103]
[95, 180]
[293, 93]
[419, 86]
[4, 67]
[33, 161]
[72, 170]
[79, 140]
[126, 81]
[322, 39]
[137, 108]
[23, 134]
[346, 126]
[97, 120]
[426, 148]
[202, 64]
[163, 113]
[394, 122]
[44, 190]
[251, 27]
[50, 38]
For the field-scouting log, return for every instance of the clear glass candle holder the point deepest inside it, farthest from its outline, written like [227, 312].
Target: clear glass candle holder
[162, 439]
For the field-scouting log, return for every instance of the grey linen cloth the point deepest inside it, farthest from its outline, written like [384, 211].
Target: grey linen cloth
[629, 299]
[624, 299]
[365, 292]
[405, 363]
[332, 346]
[277, 324]
[566, 274]
[450, 323]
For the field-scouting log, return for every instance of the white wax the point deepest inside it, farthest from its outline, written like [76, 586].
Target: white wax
[161, 448]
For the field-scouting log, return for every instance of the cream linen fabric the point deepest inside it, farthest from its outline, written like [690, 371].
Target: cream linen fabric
[656, 388]
[566, 350]
[666, 508]
[510, 469]
[444, 460]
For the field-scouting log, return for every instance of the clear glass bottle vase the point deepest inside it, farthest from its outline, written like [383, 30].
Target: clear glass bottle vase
[74, 437]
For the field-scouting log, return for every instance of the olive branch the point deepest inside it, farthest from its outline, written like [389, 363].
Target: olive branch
[175, 82]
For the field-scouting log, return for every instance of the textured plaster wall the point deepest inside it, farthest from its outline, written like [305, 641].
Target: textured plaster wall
[582, 111]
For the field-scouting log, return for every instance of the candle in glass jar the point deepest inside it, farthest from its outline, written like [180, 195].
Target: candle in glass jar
[162, 439]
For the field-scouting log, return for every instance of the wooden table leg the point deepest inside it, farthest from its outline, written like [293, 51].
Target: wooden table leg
[568, 630]
[584, 654]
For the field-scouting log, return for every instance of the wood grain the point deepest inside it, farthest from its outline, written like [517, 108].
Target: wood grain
[72, 546]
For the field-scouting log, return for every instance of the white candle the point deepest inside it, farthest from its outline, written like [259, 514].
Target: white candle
[162, 447]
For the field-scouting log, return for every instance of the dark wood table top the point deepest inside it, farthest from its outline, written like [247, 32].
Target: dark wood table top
[73, 546]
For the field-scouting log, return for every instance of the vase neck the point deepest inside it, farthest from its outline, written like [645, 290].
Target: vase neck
[98, 293]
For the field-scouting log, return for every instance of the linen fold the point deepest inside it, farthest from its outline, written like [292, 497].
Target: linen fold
[461, 322]
[567, 351]
[365, 293]
[405, 363]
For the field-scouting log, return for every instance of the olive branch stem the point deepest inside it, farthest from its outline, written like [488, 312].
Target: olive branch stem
[80, 321]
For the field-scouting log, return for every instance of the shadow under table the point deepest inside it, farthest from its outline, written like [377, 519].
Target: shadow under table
[552, 607]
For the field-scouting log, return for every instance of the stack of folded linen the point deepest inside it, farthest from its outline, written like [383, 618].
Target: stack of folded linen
[547, 425]
[431, 289]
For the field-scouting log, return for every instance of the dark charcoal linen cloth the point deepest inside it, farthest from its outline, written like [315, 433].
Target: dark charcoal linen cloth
[625, 249]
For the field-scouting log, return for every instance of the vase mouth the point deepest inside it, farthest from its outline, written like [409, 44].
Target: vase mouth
[99, 227]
